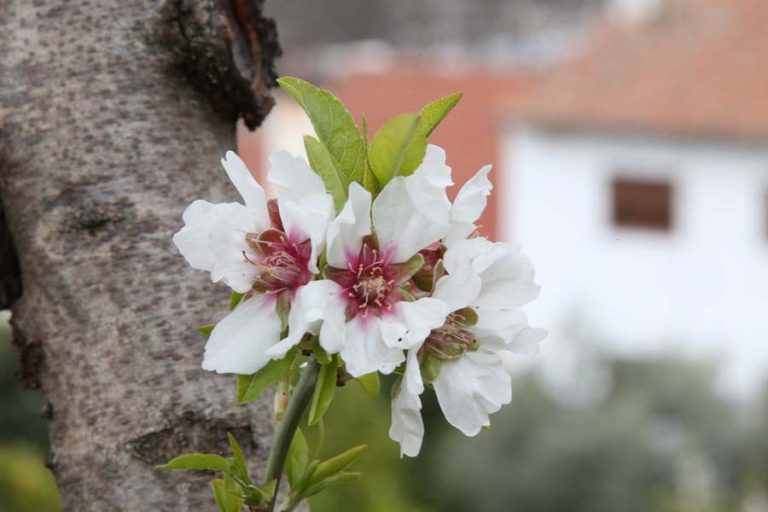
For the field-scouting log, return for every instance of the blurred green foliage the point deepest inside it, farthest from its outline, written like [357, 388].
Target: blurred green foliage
[26, 485]
[658, 438]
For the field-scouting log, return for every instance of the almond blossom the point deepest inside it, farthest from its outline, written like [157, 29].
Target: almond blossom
[266, 250]
[483, 285]
[362, 310]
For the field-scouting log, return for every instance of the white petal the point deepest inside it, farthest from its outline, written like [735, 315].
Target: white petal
[292, 177]
[427, 185]
[364, 349]
[464, 252]
[461, 286]
[496, 330]
[333, 332]
[457, 232]
[346, 232]
[308, 218]
[413, 212]
[502, 323]
[251, 192]
[412, 378]
[305, 207]
[239, 343]
[506, 274]
[230, 264]
[308, 310]
[468, 206]
[471, 388]
[472, 198]
[527, 341]
[412, 322]
[192, 240]
[407, 425]
[508, 279]
[213, 239]
[458, 289]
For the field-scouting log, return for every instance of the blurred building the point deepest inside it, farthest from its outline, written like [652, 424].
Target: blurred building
[385, 57]
[637, 180]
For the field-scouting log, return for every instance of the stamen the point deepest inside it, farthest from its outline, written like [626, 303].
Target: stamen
[282, 264]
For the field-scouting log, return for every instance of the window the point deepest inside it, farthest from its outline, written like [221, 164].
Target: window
[642, 204]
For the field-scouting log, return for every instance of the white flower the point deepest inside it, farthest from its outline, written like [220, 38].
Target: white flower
[485, 285]
[360, 309]
[264, 249]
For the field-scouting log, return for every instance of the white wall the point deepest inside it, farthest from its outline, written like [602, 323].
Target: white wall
[700, 290]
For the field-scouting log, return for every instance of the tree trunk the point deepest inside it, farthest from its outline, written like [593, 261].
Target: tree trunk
[113, 117]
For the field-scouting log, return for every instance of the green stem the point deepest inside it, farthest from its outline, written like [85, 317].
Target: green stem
[300, 399]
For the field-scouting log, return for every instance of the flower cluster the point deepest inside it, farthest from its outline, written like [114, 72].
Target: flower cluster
[375, 272]
[400, 284]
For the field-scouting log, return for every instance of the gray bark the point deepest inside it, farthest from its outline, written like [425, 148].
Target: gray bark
[113, 117]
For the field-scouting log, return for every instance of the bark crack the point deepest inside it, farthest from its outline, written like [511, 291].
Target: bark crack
[30, 349]
[225, 49]
[188, 433]
[10, 272]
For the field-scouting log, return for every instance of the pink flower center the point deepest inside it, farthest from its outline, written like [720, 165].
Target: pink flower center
[370, 283]
[280, 259]
[371, 288]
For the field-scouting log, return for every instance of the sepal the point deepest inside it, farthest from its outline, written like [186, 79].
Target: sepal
[371, 383]
[324, 391]
[250, 387]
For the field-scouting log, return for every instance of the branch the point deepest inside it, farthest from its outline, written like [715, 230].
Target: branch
[302, 395]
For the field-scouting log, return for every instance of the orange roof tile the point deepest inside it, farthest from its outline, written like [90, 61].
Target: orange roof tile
[700, 69]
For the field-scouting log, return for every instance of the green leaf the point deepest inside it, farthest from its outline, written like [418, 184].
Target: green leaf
[304, 481]
[336, 464]
[333, 124]
[298, 458]
[239, 459]
[370, 383]
[267, 491]
[323, 164]
[206, 330]
[370, 183]
[369, 179]
[203, 461]
[432, 114]
[226, 495]
[398, 148]
[249, 387]
[324, 391]
[235, 299]
[336, 479]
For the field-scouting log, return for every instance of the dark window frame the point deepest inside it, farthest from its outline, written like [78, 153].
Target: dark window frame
[642, 204]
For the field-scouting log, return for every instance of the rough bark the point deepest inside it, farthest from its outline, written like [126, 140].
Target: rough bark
[113, 117]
